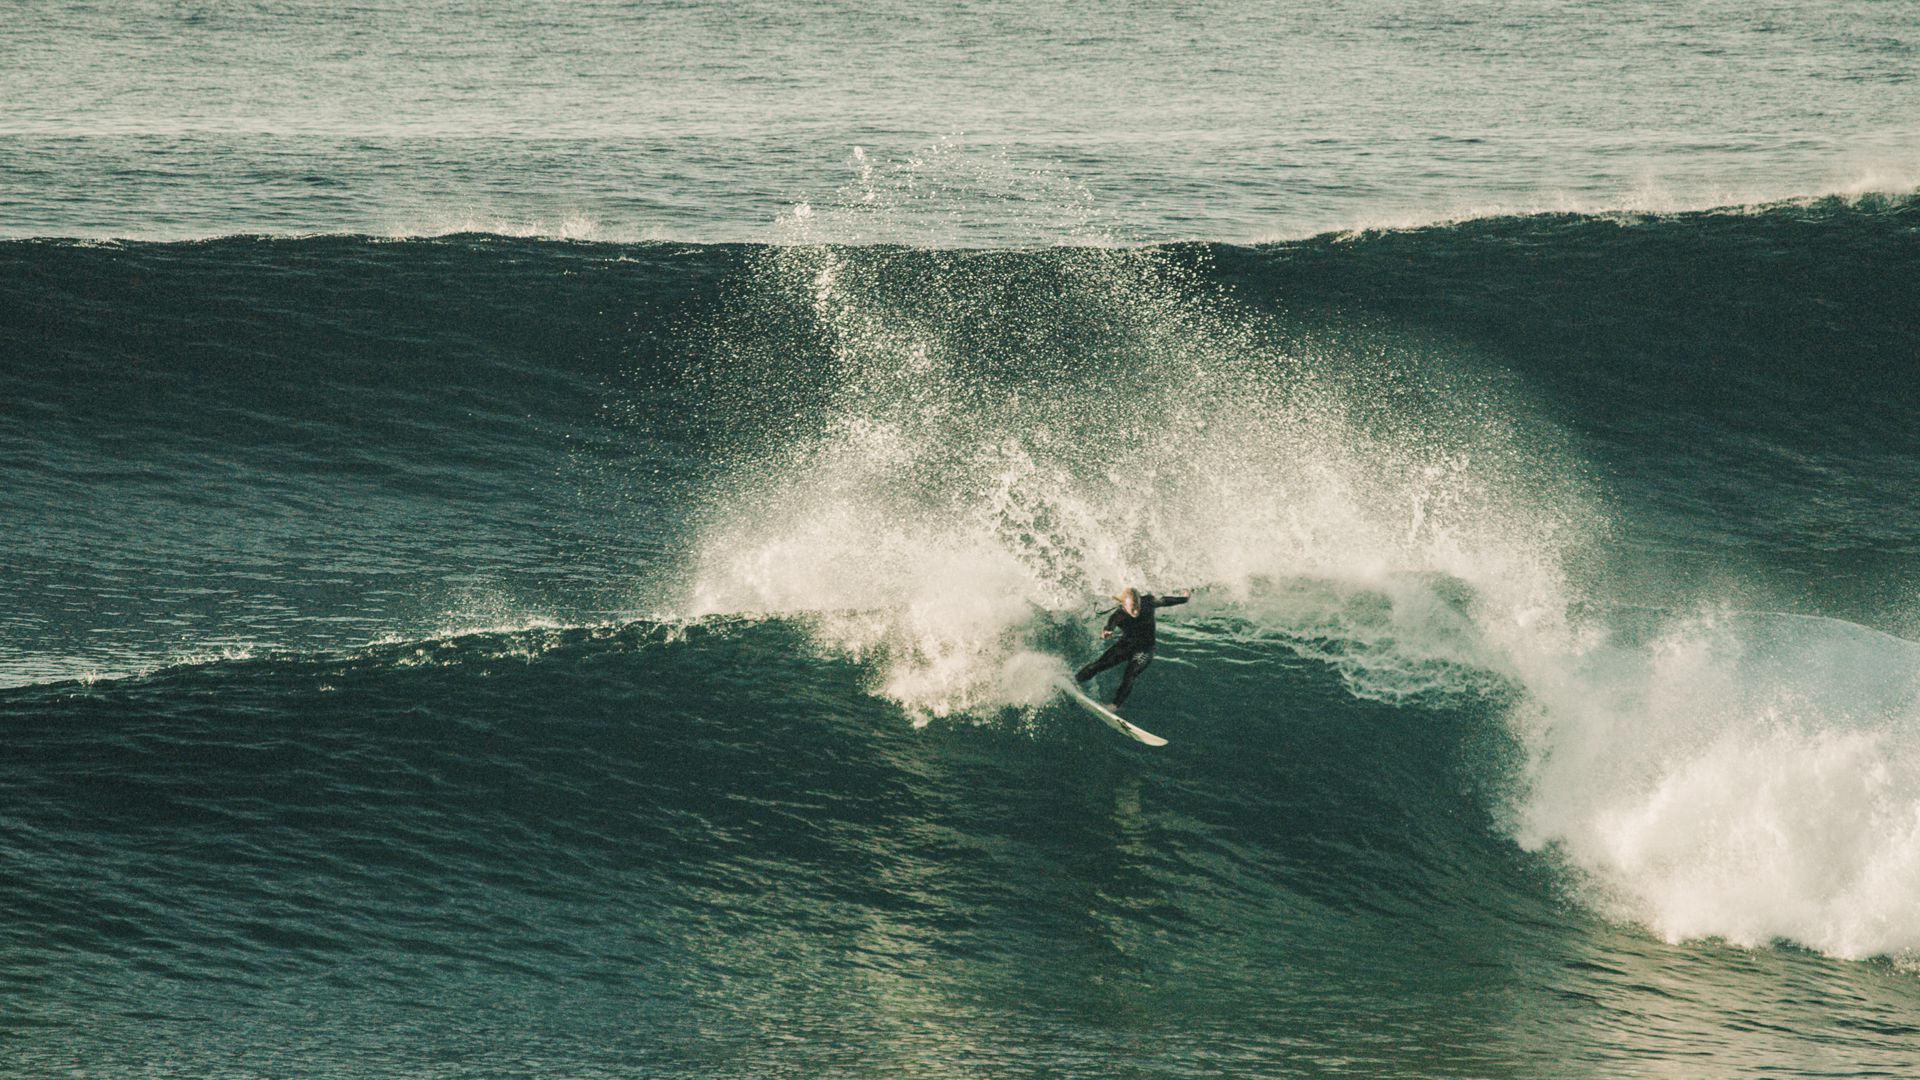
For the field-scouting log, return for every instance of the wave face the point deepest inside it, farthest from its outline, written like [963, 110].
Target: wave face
[492, 655]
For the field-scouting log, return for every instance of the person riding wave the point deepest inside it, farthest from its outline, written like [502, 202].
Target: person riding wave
[1133, 622]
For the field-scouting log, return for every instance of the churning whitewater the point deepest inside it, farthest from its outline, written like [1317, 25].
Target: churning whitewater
[976, 452]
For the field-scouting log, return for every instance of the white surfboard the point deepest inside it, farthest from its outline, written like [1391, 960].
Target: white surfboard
[1112, 718]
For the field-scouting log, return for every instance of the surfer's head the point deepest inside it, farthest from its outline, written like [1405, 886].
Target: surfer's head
[1129, 598]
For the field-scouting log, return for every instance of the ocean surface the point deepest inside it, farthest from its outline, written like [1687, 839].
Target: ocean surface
[544, 540]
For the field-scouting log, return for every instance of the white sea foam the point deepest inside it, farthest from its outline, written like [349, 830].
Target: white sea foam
[980, 467]
[1751, 778]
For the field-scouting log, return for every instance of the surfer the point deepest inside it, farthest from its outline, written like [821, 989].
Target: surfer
[1133, 622]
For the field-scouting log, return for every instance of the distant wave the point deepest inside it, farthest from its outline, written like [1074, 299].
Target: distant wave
[849, 226]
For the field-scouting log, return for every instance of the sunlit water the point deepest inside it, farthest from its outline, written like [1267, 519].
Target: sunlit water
[1077, 121]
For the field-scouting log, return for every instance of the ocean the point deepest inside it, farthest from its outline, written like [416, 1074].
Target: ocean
[544, 540]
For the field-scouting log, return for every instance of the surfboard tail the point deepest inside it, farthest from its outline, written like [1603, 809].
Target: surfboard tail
[1112, 719]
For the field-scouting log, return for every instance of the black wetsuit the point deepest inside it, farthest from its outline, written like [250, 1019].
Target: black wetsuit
[1135, 647]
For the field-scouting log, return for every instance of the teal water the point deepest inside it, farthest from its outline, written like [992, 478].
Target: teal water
[525, 555]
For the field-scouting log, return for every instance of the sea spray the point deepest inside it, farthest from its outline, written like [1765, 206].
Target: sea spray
[956, 456]
[961, 454]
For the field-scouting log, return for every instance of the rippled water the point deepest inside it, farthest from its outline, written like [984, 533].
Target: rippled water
[987, 123]
[543, 540]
